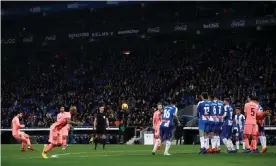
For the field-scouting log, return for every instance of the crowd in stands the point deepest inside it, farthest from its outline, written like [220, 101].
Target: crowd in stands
[38, 82]
[174, 71]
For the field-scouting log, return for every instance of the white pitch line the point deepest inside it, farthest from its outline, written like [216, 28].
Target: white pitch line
[103, 155]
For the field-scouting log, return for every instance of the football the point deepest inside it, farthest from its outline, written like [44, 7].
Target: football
[124, 106]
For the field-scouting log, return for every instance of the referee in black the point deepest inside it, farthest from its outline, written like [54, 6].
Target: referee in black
[100, 124]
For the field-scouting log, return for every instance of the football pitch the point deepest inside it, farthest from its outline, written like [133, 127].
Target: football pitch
[132, 155]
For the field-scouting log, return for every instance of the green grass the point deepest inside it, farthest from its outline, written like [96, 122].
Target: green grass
[131, 155]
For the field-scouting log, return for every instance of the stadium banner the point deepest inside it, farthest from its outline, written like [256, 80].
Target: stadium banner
[144, 30]
[29, 39]
[180, 27]
[148, 139]
[8, 41]
[50, 38]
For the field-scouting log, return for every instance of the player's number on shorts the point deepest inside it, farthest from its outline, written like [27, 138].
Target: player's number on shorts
[252, 111]
[166, 113]
[206, 110]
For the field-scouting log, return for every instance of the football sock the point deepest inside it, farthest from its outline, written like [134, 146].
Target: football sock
[243, 145]
[254, 143]
[230, 143]
[207, 142]
[224, 140]
[104, 142]
[246, 141]
[261, 140]
[158, 141]
[238, 145]
[23, 144]
[96, 141]
[264, 140]
[48, 148]
[218, 141]
[213, 142]
[168, 145]
[64, 142]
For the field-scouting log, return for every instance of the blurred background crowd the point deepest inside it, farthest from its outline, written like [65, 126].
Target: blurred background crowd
[41, 75]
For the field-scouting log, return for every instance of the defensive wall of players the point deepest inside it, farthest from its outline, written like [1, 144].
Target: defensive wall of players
[190, 133]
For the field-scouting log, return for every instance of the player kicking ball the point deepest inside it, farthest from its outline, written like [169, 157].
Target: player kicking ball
[65, 130]
[55, 137]
[166, 127]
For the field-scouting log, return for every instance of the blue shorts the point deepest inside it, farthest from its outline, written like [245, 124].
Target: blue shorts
[226, 131]
[166, 132]
[213, 127]
[239, 134]
[203, 125]
[261, 129]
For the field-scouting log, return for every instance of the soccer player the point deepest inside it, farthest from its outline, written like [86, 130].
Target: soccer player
[250, 127]
[227, 127]
[156, 123]
[220, 113]
[65, 130]
[19, 135]
[55, 138]
[166, 127]
[213, 123]
[100, 124]
[260, 123]
[203, 110]
[239, 127]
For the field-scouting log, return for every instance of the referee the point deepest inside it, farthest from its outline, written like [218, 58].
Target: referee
[100, 124]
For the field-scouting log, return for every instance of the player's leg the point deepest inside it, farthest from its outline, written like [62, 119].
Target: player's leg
[230, 142]
[22, 140]
[241, 139]
[103, 140]
[65, 132]
[158, 141]
[246, 136]
[96, 140]
[201, 127]
[262, 139]
[168, 135]
[218, 137]
[212, 135]
[156, 136]
[224, 135]
[227, 140]
[27, 138]
[255, 138]
[53, 141]
[206, 137]
[237, 138]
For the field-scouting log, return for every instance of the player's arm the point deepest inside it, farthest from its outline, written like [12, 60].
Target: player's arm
[95, 122]
[107, 122]
[153, 118]
[175, 116]
[69, 121]
[244, 110]
[224, 113]
[17, 123]
[197, 110]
